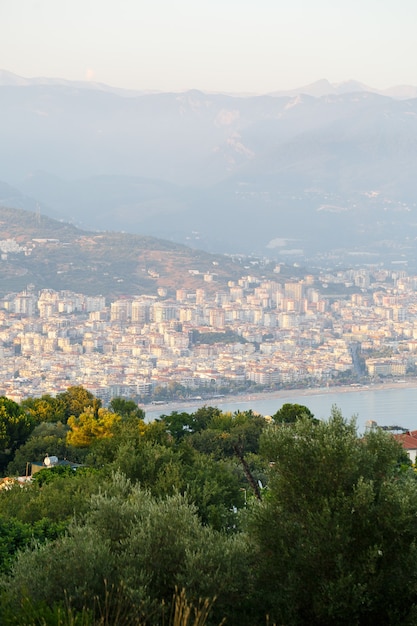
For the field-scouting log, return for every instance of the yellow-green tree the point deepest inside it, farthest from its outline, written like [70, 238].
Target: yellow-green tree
[74, 401]
[44, 409]
[90, 426]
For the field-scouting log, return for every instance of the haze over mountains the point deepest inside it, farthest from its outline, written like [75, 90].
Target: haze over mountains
[44, 253]
[328, 172]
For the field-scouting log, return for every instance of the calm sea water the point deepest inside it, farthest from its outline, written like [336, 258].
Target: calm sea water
[387, 407]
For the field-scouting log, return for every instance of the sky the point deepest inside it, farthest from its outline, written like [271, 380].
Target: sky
[235, 46]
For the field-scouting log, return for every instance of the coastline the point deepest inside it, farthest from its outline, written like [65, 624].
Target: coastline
[304, 392]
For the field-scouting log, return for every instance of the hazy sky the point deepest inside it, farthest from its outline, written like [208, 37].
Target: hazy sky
[214, 45]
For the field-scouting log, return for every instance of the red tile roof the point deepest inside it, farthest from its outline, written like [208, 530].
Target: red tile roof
[408, 440]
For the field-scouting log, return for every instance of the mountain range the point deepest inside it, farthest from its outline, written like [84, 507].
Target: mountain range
[321, 174]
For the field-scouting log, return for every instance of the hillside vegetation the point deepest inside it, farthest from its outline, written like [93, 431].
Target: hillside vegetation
[225, 517]
[57, 255]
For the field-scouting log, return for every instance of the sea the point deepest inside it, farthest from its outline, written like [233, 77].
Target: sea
[390, 406]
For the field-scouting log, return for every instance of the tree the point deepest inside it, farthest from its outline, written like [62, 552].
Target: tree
[126, 408]
[15, 428]
[56, 494]
[15, 535]
[85, 562]
[178, 425]
[75, 400]
[235, 435]
[214, 487]
[135, 549]
[337, 534]
[289, 413]
[90, 426]
[46, 438]
[15, 425]
[44, 409]
[204, 416]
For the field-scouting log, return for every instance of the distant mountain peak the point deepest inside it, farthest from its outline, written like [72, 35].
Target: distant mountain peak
[351, 85]
[316, 89]
[8, 79]
[323, 87]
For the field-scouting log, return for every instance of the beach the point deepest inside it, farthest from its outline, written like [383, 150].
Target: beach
[291, 395]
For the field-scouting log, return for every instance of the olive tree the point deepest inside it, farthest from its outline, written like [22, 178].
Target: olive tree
[336, 535]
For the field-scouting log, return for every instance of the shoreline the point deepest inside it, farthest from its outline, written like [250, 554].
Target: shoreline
[178, 405]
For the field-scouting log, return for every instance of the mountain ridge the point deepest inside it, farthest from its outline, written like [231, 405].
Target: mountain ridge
[225, 173]
[49, 254]
[317, 88]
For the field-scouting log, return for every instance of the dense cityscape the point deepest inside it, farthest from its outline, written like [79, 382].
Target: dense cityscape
[349, 326]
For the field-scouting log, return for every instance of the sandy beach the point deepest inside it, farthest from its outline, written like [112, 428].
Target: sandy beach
[179, 405]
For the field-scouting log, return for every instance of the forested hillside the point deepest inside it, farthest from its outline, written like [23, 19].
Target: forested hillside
[201, 518]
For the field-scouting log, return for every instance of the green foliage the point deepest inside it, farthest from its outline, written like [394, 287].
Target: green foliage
[15, 425]
[46, 438]
[15, 428]
[144, 548]
[150, 464]
[214, 487]
[44, 409]
[32, 613]
[168, 506]
[182, 612]
[204, 416]
[74, 401]
[214, 432]
[127, 409]
[77, 564]
[15, 535]
[51, 474]
[201, 461]
[289, 413]
[54, 495]
[209, 474]
[161, 558]
[210, 338]
[336, 536]
[178, 425]
[171, 391]
[225, 431]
